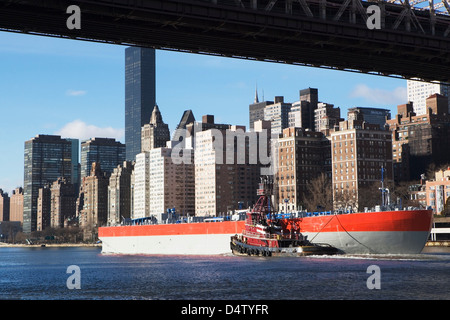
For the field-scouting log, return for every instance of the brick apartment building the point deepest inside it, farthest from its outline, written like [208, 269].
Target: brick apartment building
[359, 150]
[302, 156]
[418, 140]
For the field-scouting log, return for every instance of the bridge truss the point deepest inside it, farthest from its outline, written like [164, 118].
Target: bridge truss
[413, 40]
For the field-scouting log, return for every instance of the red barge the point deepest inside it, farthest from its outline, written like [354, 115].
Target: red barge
[381, 231]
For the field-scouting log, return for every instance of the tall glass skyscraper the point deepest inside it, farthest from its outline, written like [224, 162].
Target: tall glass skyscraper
[108, 152]
[140, 95]
[46, 158]
[75, 163]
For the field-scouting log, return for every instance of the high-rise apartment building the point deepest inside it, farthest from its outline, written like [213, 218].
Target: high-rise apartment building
[205, 164]
[46, 158]
[278, 114]
[187, 136]
[4, 206]
[400, 147]
[295, 116]
[94, 205]
[418, 140]
[326, 117]
[437, 104]
[302, 112]
[156, 133]
[419, 91]
[359, 151]
[16, 205]
[43, 208]
[108, 152]
[140, 95]
[119, 193]
[172, 184]
[309, 98]
[302, 156]
[301, 115]
[311, 95]
[141, 187]
[63, 197]
[227, 170]
[162, 183]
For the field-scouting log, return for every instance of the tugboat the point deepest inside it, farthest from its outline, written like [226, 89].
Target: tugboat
[264, 235]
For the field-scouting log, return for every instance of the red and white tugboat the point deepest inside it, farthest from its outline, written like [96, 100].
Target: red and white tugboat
[264, 235]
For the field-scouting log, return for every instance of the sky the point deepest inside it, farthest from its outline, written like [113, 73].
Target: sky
[76, 89]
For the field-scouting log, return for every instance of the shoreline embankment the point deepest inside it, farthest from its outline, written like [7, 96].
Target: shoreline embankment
[3, 244]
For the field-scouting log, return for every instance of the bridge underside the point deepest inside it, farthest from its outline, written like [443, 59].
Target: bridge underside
[330, 34]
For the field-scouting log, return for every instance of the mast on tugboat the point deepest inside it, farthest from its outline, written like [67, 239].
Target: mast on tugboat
[262, 206]
[385, 199]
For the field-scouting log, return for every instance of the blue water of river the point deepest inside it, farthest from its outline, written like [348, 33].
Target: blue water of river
[44, 274]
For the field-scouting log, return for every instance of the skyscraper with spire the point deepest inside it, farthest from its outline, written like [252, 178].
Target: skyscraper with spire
[256, 110]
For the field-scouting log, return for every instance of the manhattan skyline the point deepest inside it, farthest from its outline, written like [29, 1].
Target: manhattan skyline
[76, 89]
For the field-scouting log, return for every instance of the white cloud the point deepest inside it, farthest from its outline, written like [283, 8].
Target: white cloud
[380, 96]
[75, 92]
[78, 129]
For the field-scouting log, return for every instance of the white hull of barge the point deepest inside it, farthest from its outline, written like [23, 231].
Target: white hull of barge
[199, 244]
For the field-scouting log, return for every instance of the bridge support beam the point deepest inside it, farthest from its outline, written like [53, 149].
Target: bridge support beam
[320, 33]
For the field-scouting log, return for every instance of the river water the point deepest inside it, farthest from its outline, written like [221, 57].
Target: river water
[45, 274]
